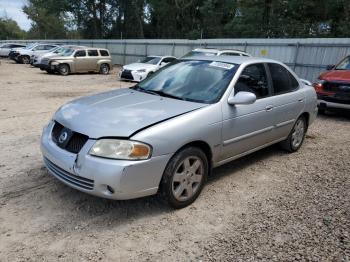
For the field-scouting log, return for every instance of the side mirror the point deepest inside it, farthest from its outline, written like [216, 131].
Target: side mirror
[163, 63]
[242, 98]
[330, 67]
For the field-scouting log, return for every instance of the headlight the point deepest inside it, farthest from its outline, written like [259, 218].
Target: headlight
[120, 149]
[141, 71]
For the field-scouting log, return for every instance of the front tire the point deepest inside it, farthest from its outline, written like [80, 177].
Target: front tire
[184, 177]
[63, 69]
[24, 59]
[104, 69]
[296, 136]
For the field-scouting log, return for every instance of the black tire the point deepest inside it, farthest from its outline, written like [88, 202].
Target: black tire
[322, 111]
[64, 69]
[290, 144]
[49, 71]
[104, 69]
[168, 183]
[24, 59]
[149, 74]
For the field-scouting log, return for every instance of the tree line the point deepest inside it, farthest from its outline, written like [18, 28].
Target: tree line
[192, 19]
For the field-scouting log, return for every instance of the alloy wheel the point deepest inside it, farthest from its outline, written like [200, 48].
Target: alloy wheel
[187, 178]
[298, 133]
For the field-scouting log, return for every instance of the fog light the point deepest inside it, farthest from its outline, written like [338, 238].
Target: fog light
[110, 189]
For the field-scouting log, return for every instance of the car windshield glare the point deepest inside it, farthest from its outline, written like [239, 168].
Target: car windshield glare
[67, 52]
[344, 65]
[151, 60]
[191, 80]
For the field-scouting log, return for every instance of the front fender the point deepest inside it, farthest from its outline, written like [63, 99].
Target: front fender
[169, 136]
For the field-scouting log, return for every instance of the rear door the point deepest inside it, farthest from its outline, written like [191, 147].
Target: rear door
[288, 99]
[92, 59]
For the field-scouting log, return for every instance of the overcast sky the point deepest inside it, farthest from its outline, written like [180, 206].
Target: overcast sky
[13, 9]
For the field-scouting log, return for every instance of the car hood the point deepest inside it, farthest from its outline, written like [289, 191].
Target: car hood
[58, 57]
[120, 113]
[138, 66]
[336, 75]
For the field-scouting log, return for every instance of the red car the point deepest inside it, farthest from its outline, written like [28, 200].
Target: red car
[333, 87]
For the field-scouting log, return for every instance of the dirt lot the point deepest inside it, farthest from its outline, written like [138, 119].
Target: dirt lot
[268, 206]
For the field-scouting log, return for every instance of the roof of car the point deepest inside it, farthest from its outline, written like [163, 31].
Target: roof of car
[232, 59]
[160, 56]
[214, 50]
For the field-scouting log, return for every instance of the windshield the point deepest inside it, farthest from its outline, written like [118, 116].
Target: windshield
[67, 52]
[200, 53]
[59, 50]
[30, 46]
[151, 60]
[344, 65]
[197, 81]
[54, 49]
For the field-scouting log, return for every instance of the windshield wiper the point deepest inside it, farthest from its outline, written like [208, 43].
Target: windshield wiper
[161, 93]
[141, 89]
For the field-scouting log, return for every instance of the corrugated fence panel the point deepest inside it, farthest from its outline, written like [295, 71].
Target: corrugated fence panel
[308, 57]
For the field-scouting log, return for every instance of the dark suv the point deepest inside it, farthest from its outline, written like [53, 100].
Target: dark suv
[333, 86]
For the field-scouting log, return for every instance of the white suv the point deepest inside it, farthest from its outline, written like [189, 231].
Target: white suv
[24, 55]
[215, 52]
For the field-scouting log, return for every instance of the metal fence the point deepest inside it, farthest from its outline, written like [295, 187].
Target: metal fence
[308, 57]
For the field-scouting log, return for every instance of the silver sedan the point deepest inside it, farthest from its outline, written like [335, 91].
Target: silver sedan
[168, 132]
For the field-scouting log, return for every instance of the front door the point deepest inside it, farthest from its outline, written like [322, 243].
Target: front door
[247, 127]
[80, 61]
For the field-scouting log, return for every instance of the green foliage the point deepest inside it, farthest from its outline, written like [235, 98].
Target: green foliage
[9, 29]
[190, 19]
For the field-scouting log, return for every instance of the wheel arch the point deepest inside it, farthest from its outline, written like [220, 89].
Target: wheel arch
[306, 115]
[204, 146]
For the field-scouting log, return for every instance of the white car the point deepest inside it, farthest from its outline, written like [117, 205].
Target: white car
[215, 52]
[6, 48]
[25, 54]
[36, 59]
[140, 70]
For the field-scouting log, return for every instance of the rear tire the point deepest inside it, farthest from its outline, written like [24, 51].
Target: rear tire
[296, 136]
[104, 69]
[64, 69]
[184, 177]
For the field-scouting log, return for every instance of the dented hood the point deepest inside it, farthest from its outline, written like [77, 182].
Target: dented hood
[120, 113]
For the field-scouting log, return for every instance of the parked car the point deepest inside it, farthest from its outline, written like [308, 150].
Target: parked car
[139, 71]
[333, 87]
[36, 59]
[79, 60]
[215, 52]
[24, 55]
[166, 133]
[6, 48]
[14, 52]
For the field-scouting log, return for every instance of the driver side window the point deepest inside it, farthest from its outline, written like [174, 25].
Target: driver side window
[253, 79]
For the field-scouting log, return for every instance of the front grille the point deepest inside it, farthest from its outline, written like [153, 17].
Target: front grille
[127, 74]
[342, 100]
[76, 140]
[69, 178]
[337, 87]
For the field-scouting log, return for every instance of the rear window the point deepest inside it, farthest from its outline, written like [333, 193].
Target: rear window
[104, 53]
[92, 52]
[283, 81]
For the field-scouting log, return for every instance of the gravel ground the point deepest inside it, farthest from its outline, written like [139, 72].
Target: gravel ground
[267, 206]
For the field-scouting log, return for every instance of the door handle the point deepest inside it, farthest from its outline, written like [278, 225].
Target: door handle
[301, 100]
[268, 108]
